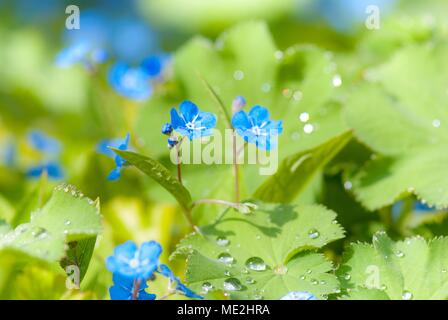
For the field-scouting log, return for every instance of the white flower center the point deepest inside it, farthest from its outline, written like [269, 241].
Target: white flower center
[134, 263]
[258, 130]
[192, 125]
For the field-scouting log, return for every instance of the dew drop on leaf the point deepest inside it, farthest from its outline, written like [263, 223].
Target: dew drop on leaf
[222, 241]
[206, 287]
[232, 284]
[313, 234]
[256, 264]
[226, 258]
[406, 295]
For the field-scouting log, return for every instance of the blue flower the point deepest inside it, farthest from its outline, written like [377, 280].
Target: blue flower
[10, 154]
[133, 262]
[256, 127]
[119, 161]
[41, 142]
[172, 141]
[191, 122]
[238, 103]
[299, 295]
[80, 53]
[180, 287]
[104, 146]
[123, 289]
[154, 64]
[167, 128]
[53, 170]
[132, 83]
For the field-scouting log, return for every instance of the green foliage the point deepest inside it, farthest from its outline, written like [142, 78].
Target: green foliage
[410, 269]
[264, 254]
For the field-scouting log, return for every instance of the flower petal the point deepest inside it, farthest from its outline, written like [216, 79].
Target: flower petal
[240, 120]
[259, 115]
[150, 250]
[176, 120]
[119, 293]
[188, 110]
[206, 119]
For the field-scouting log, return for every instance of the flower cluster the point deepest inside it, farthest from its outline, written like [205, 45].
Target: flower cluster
[133, 266]
[50, 150]
[254, 127]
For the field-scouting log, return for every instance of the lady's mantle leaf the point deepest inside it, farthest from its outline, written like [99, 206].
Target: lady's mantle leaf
[275, 239]
[406, 120]
[67, 216]
[160, 174]
[409, 269]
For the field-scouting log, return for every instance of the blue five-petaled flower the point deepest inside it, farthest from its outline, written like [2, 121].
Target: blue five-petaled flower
[256, 127]
[133, 266]
[133, 83]
[191, 122]
[119, 161]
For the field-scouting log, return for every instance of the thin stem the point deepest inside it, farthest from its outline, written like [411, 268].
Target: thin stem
[136, 289]
[236, 169]
[169, 294]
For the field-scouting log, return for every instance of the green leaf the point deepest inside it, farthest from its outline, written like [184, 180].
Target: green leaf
[160, 174]
[297, 171]
[67, 216]
[284, 237]
[403, 117]
[79, 254]
[408, 269]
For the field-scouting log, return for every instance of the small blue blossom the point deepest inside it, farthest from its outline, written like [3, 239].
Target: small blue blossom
[238, 104]
[123, 289]
[135, 262]
[133, 83]
[172, 141]
[154, 64]
[119, 161]
[299, 295]
[179, 286]
[41, 142]
[191, 122]
[103, 147]
[80, 53]
[53, 170]
[167, 129]
[256, 127]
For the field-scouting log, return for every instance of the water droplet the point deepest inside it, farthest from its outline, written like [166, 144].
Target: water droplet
[250, 280]
[279, 55]
[309, 271]
[313, 234]
[232, 284]
[406, 295]
[302, 277]
[258, 237]
[244, 270]
[281, 269]
[206, 287]
[298, 95]
[256, 264]
[308, 128]
[348, 185]
[222, 241]
[383, 287]
[314, 282]
[227, 273]
[347, 276]
[323, 282]
[337, 80]
[399, 254]
[266, 87]
[238, 75]
[304, 117]
[436, 123]
[225, 258]
[67, 222]
[443, 270]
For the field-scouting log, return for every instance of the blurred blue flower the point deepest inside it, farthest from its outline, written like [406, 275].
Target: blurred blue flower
[53, 170]
[10, 154]
[154, 64]
[191, 122]
[299, 295]
[256, 127]
[119, 161]
[238, 104]
[179, 286]
[41, 142]
[132, 83]
[133, 39]
[123, 289]
[133, 262]
[80, 53]
[346, 15]
[103, 147]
